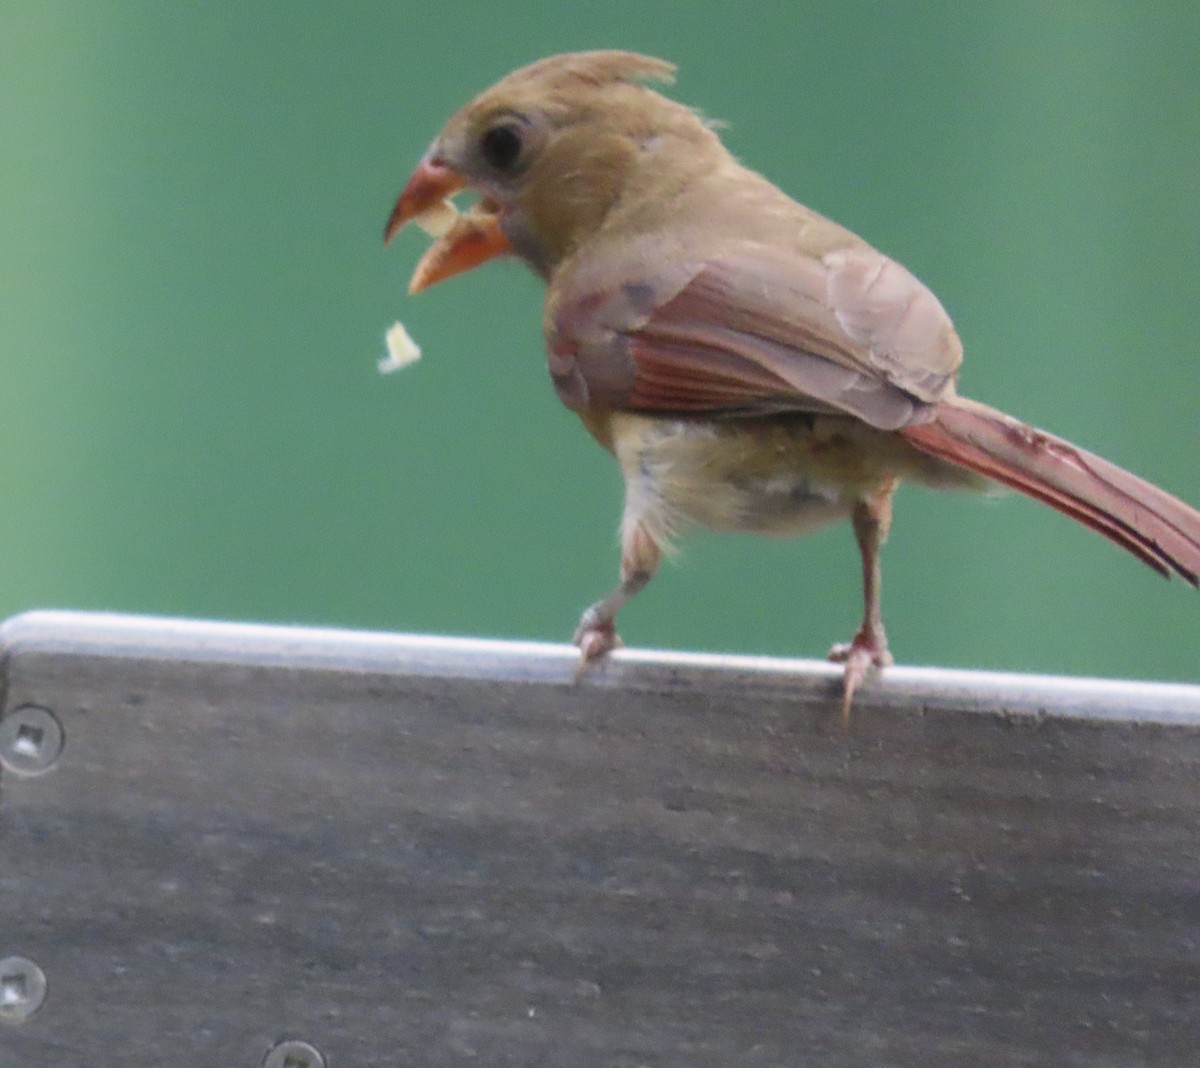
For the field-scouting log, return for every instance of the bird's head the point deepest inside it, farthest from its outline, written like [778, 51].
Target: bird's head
[549, 150]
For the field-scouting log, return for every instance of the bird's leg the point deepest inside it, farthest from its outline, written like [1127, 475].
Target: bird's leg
[596, 635]
[872, 517]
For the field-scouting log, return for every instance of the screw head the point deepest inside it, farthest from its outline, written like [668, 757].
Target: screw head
[30, 740]
[22, 989]
[293, 1053]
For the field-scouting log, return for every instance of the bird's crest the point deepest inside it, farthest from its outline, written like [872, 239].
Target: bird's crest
[593, 69]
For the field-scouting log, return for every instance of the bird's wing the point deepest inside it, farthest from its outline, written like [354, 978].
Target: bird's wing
[752, 329]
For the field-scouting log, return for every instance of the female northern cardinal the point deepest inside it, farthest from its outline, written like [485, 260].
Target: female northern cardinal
[751, 365]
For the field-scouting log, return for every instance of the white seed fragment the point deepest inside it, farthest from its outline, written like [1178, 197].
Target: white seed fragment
[401, 350]
[436, 221]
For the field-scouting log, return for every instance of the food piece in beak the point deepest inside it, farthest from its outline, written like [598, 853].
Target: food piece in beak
[464, 240]
[437, 220]
[474, 238]
[425, 196]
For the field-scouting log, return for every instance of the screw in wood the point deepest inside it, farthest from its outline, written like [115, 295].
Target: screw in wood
[293, 1053]
[22, 989]
[31, 739]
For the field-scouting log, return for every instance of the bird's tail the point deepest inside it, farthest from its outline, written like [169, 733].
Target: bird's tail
[1153, 525]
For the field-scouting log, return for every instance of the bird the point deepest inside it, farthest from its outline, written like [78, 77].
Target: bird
[751, 364]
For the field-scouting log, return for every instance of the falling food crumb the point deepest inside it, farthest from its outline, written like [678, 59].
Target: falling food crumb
[436, 221]
[401, 350]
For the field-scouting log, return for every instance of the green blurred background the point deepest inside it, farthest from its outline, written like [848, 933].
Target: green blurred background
[193, 295]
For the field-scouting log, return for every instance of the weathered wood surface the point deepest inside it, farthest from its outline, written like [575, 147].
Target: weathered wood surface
[411, 851]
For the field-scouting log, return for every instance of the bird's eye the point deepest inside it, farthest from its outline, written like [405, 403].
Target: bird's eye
[501, 145]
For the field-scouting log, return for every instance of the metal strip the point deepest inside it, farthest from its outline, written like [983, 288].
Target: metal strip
[308, 648]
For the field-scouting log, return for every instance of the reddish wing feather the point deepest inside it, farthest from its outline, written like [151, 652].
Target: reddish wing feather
[756, 331]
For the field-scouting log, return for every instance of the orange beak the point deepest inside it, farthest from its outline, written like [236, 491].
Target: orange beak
[474, 238]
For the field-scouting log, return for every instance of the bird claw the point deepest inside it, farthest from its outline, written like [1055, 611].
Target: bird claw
[860, 656]
[595, 638]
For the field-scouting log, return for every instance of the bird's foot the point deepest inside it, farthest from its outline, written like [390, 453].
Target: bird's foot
[867, 650]
[595, 638]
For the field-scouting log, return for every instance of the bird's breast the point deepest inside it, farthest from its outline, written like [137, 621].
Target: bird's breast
[781, 475]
